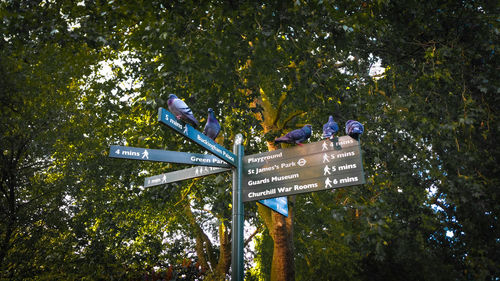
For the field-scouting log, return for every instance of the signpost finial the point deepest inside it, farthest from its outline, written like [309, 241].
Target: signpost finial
[238, 139]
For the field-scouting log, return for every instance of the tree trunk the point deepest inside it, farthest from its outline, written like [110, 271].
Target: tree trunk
[280, 227]
[281, 231]
[203, 245]
[225, 253]
[215, 269]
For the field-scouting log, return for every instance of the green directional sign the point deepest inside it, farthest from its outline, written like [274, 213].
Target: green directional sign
[167, 118]
[311, 167]
[146, 154]
[180, 175]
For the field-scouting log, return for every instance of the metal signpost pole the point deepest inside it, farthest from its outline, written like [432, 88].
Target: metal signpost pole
[238, 216]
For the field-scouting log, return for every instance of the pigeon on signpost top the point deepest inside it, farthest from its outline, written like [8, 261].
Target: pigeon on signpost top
[296, 136]
[212, 127]
[330, 128]
[354, 129]
[180, 109]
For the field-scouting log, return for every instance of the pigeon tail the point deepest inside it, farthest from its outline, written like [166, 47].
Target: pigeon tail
[296, 136]
[283, 139]
[193, 121]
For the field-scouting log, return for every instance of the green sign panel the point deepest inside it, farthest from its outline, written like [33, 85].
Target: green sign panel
[167, 118]
[146, 154]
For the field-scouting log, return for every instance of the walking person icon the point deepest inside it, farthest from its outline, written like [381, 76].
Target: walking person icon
[328, 183]
[326, 170]
[324, 146]
[325, 158]
[145, 154]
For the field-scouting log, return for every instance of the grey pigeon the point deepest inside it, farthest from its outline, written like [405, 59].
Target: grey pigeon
[180, 109]
[354, 129]
[330, 128]
[296, 136]
[212, 127]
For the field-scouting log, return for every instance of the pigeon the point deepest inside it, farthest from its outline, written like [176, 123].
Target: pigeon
[330, 128]
[354, 129]
[180, 109]
[212, 127]
[296, 136]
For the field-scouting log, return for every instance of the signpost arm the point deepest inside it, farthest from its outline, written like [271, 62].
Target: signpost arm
[238, 216]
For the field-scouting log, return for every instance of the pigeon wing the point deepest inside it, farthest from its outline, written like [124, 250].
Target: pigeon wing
[330, 128]
[298, 135]
[180, 108]
[354, 128]
[212, 129]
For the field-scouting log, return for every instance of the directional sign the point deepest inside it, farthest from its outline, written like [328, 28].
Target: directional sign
[310, 167]
[180, 175]
[279, 204]
[167, 118]
[136, 153]
[306, 149]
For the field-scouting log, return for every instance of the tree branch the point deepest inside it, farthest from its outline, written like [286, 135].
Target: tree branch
[291, 116]
[280, 107]
[203, 244]
[259, 229]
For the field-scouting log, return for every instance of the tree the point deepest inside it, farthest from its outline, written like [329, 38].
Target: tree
[46, 113]
[38, 68]
[429, 151]
[229, 56]
[437, 98]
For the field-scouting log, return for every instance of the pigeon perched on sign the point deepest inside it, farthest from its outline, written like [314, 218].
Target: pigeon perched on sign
[212, 127]
[180, 109]
[296, 136]
[330, 128]
[354, 129]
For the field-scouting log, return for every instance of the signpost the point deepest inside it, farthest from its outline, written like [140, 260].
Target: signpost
[167, 118]
[310, 167]
[136, 153]
[237, 246]
[268, 177]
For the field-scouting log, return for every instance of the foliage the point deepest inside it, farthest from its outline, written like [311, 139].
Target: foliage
[442, 124]
[430, 204]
